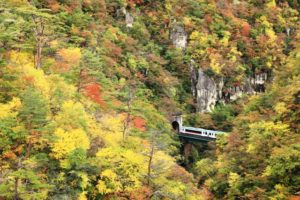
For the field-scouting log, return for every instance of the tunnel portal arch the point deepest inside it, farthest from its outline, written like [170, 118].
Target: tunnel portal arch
[175, 126]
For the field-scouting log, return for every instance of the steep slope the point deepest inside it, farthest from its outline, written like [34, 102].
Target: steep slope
[88, 88]
[79, 107]
[260, 158]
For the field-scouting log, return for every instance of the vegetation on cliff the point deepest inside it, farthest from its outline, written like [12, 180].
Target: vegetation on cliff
[87, 89]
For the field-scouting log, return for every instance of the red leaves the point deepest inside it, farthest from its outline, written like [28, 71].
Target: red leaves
[140, 75]
[116, 51]
[93, 91]
[139, 123]
[208, 18]
[135, 121]
[246, 29]
[113, 50]
[295, 197]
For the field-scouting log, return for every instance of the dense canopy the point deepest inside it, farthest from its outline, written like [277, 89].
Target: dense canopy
[88, 89]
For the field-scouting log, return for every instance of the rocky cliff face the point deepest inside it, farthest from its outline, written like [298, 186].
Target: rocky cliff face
[208, 91]
[204, 89]
[123, 13]
[179, 37]
[129, 20]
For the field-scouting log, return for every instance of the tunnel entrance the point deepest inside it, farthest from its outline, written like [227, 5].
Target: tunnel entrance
[175, 126]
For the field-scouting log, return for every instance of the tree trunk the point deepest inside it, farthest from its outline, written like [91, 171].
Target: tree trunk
[38, 55]
[150, 164]
[16, 187]
[79, 84]
[40, 39]
[126, 125]
[128, 117]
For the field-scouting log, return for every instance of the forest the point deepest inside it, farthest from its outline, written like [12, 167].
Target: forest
[89, 88]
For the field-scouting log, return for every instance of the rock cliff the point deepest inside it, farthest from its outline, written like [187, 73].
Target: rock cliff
[208, 91]
[179, 37]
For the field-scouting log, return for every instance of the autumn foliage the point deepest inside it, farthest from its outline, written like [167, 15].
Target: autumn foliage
[87, 89]
[93, 91]
[246, 29]
[139, 123]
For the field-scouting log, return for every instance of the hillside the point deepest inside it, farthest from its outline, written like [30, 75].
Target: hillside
[88, 89]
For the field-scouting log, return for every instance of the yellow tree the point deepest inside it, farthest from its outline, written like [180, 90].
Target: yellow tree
[122, 170]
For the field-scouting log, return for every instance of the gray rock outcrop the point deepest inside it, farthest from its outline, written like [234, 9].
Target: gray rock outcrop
[123, 13]
[129, 20]
[204, 89]
[208, 92]
[179, 37]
